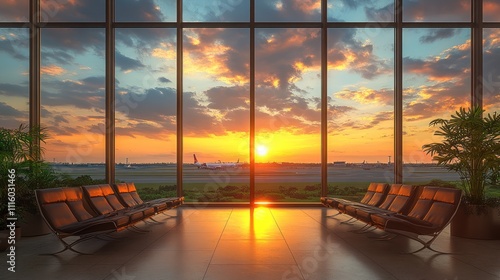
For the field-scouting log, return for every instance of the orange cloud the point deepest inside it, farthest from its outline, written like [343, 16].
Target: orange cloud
[52, 70]
[210, 56]
[365, 95]
[491, 9]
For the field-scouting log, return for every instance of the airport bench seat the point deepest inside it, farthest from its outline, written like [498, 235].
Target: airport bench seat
[65, 214]
[104, 201]
[374, 196]
[398, 200]
[429, 215]
[128, 195]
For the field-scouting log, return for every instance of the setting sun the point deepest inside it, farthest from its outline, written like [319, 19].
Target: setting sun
[261, 150]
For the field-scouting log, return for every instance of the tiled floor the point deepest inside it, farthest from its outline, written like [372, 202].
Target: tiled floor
[268, 243]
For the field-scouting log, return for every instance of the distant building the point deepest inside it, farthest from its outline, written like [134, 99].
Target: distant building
[339, 163]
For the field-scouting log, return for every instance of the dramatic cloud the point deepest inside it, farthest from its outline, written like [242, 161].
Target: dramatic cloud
[452, 63]
[164, 80]
[290, 10]
[430, 101]
[228, 98]
[139, 11]
[72, 10]
[431, 10]
[367, 96]
[9, 111]
[215, 11]
[14, 90]
[222, 54]
[154, 105]
[14, 10]
[380, 15]
[347, 52]
[74, 41]
[491, 80]
[87, 93]
[491, 10]
[283, 56]
[15, 43]
[438, 34]
[52, 70]
[145, 40]
[127, 64]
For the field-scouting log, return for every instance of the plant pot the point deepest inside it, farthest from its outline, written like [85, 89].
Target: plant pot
[34, 225]
[476, 222]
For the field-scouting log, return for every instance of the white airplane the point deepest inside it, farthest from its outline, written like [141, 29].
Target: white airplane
[215, 165]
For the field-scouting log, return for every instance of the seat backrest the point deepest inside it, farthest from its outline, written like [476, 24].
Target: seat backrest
[403, 200]
[133, 192]
[61, 206]
[446, 202]
[53, 207]
[97, 199]
[111, 197]
[369, 193]
[74, 199]
[391, 195]
[436, 205]
[124, 195]
[379, 195]
[423, 203]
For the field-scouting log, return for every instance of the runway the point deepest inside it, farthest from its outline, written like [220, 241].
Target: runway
[166, 173]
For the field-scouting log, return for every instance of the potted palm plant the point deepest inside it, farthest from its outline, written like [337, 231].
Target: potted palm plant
[471, 147]
[20, 151]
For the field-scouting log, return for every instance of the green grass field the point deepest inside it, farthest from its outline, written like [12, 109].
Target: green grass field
[276, 192]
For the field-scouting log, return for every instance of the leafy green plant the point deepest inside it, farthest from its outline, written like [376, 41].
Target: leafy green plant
[20, 150]
[471, 147]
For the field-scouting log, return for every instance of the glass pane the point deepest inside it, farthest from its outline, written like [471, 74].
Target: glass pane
[72, 11]
[73, 99]
[436, 83]
[146, 107]
[361, 109]
[287, 10]
[359, 11]
[491, 60]
[146, 10]
[430, 10]
[491, 10]
[14, 77]
[216, 10]
[15, 10]
[216, 114]
[287, 102]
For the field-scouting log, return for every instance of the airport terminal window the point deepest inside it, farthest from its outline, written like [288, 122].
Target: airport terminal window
[436, 83]
[187, 81]
[361, 106]
[288, 94]
[73, 99]
[216, 114]
[491, 60]
[14, 83]
[145, 107]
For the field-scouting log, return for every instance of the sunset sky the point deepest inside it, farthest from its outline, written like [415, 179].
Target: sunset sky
[216, 79]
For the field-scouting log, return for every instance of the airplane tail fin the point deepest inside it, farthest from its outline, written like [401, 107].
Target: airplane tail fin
[195, 159]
